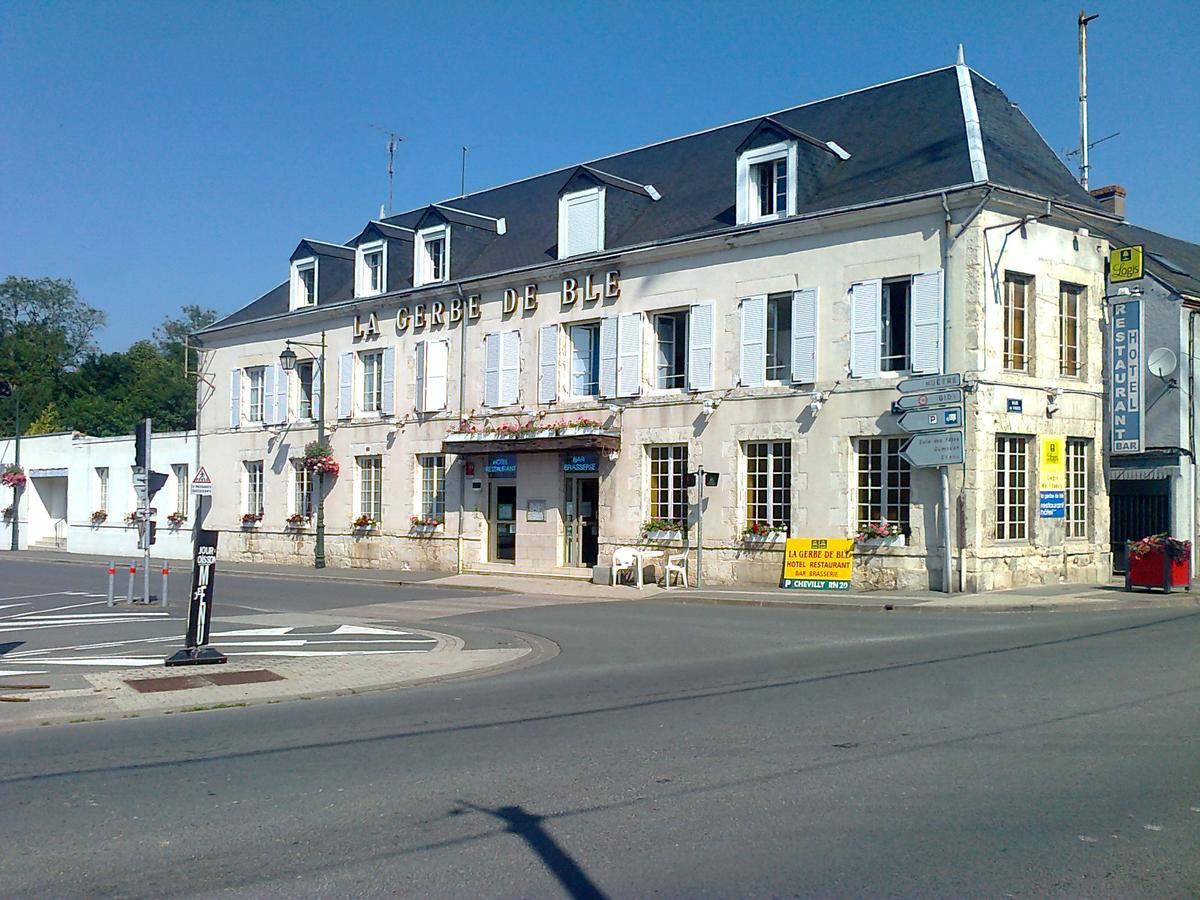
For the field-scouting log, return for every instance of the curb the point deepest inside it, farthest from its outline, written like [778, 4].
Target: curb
[930, 606]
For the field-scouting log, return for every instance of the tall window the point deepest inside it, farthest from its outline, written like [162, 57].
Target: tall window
[180, 471]
[306, 279]
[884, 486]
[1017, 289]
[254, 487]
[102, 488]
[1012, 488]
[585, 360]
[303, 498]
[432, 264]
[779, 337]
[305, 372]
[671, 336]
[1070, 311]
[256, 376]
[668, 491]
[372, 381]
[433, 487]
[769, 483]
[770, 188]
[1077, 488]
[370, 487]
[894, 311]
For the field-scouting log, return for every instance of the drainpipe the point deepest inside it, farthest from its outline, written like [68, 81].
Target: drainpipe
[944, 471]
[462, 465]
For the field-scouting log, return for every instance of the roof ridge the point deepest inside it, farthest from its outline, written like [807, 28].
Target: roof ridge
[691, 134]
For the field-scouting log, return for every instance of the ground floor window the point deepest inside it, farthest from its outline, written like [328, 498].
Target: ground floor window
[884, 483]
[1012, 488]
[181, 489]
[302, 497]
[370, 488]
[254, 488]
[433, 487]
[668, 489]
[769, 484]
[1077, 487]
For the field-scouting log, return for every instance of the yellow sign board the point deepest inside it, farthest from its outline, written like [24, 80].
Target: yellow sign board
[1052, 465]
[1125, 264]
[818, 564]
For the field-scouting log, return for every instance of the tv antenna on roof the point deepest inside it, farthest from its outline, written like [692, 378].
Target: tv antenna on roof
[393, 141]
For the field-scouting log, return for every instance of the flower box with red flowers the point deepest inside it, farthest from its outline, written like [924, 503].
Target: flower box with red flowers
[425, 525]
[318, 459]
[13, 476]
[251, 519]
[1158, 561]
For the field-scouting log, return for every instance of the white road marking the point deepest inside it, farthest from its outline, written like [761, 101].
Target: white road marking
[4, 673]
[304, 642]
[19, 630]
[14, 605]
[255, 632]
[34, 596]
[319, 653]
[104, 661]
[42, 612]
[366, 629]
[1152, 827]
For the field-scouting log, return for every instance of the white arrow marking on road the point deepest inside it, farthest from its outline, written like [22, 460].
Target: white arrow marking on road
[366, 629]
[304, 643]
[255, 632]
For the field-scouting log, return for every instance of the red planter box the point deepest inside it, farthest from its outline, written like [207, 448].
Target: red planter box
[1157, 570]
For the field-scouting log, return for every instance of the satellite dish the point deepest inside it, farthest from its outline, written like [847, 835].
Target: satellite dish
[1162, 362]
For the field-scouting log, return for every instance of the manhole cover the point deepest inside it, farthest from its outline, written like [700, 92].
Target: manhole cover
[254, 676]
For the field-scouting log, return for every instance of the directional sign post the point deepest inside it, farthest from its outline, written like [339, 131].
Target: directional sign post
[937, 448]
[932, 419]
[924, 401]
[923, 384]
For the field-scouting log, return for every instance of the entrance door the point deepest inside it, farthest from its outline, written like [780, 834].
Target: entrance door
[581, 521]
[504, 522]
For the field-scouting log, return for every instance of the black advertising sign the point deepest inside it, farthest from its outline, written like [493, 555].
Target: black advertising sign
[204, 574]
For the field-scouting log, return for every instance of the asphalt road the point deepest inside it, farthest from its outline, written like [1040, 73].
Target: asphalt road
[668, 750]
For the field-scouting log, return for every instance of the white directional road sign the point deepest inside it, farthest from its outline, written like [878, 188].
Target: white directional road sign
[934, 398]
[926, 383]
[940, 448]
[933, 419]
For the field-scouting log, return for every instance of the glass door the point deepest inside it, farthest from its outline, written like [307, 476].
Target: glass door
[504, 522]
[581, 524]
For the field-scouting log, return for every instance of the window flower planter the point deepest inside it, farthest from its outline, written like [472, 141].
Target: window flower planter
[893, 540]
[364, 525]
[251, 520]
[175, 520]
[662, 530]
[1158, 562]
[297, 522]
[763, 533]
[99, 517]
[422, 526]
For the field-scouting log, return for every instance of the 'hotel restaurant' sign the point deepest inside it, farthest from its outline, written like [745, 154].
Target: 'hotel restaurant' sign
[438, 313]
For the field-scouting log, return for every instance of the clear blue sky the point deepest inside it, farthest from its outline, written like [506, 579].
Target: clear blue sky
[166, 153]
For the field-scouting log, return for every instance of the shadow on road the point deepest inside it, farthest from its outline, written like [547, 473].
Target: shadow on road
[528, 827]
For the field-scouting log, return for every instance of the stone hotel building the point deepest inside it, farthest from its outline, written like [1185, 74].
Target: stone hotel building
[521, 379]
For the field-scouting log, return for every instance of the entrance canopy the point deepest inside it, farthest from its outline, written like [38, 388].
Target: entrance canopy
[532, 441]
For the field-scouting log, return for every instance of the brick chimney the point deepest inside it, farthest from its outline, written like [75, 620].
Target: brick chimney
[1112, 198]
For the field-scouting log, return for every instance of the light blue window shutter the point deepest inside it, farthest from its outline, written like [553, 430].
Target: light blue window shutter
[491, 369]
[345, 385]
[742, 203]
[547, 364]
[583, 223]
[925, 324]
[422, 356]
[864, 328]
[581, 360]
[268, 389]
[235, 398]
[754, 341]
[700, 347]
[804, 336]
[387, 404]
[510, 368]
[317, 411]
[608, 356]
[629, 352]
[281, 394]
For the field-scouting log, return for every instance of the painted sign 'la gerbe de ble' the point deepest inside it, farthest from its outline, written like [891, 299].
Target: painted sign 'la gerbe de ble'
[523, 377]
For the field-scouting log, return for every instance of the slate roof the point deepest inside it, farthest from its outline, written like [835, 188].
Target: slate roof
[1174, 262]
[904, 137]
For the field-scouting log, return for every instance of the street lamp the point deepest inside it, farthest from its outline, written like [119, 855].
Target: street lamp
[287, 360]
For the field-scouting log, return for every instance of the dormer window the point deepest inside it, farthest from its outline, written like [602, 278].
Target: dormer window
[371, 269]
[304, 282]
[581, 222]
[770, 186]
[765, 184]
[432, 263]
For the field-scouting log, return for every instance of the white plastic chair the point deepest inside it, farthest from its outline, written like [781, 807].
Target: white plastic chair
[677, 563]
[624, 560]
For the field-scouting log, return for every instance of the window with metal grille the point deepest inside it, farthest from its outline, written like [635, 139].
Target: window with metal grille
[303, 501]
[370, 487]
[372, 380]
[254, 487]
[1070, 312]
[769, 483]
[1012, 488]
[433, 486]
[181, 488]
[1017, 289]
[1077, 487]
[668, 492]
[884, 484]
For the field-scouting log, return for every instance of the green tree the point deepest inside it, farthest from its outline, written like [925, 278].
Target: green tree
[48, 421]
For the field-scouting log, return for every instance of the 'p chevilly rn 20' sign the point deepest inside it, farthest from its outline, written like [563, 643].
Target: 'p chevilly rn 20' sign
[1126, 395]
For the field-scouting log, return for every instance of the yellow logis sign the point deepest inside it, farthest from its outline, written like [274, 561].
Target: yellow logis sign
[1052, 463]
[1125, 264]
[818, 564]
